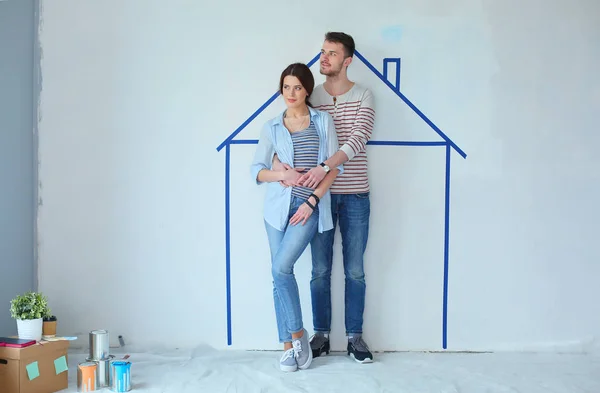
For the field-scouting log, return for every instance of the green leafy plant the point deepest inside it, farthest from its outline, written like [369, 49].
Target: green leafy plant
[30, 305]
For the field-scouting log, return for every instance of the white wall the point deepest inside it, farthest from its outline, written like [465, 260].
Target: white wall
[137, 96]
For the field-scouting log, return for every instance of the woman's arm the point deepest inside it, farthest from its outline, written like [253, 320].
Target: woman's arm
[262, 168]
[263, 155]
[305, 211]
[269, 175]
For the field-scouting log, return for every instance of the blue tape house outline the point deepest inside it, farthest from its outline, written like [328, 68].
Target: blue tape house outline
[447, 142]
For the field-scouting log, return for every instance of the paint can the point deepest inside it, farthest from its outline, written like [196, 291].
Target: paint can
[99, 342]
[120, 376]
[102, 371]
[86, 377]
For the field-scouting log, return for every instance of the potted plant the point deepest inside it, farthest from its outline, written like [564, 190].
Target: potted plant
[49, 326]
[29, 310]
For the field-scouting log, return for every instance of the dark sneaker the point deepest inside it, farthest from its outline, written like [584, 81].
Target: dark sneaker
[357, 349]
[319, 344]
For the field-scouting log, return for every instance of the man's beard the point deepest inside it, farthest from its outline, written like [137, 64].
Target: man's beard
[331, 72]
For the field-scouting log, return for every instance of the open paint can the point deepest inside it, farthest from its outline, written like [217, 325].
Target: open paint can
[120, 376]
[86, 377]
[99, 344]
[102, 371]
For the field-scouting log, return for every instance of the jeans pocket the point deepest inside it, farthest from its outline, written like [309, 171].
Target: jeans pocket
[363, 195]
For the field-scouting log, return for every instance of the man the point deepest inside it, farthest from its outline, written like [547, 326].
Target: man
[353, 112]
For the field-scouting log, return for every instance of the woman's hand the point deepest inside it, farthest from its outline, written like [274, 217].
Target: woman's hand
[291, 175]
[280, 167]
[301, 215]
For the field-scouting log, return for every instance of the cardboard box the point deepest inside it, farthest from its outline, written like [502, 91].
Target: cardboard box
[40, 368]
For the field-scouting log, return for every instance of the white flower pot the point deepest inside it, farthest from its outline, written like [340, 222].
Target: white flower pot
[30, 329]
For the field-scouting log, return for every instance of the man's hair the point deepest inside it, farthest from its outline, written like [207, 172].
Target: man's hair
[342, 38]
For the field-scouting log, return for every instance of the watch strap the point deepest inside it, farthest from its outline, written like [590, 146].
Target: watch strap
[324, 166]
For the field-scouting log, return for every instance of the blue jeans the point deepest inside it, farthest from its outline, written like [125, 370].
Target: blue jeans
[352, 211]
[286, 247]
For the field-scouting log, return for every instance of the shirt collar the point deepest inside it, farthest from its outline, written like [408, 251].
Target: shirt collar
[279, 119]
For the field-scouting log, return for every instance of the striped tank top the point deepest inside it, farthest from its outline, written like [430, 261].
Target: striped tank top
[306, 155]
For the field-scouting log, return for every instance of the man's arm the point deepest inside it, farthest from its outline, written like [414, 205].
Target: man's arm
[325, 184]
[362, 128]
[361, 132]
[316, 175]
[279, 166]
[339, 158]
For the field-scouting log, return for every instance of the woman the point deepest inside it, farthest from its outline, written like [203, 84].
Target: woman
[302, 137]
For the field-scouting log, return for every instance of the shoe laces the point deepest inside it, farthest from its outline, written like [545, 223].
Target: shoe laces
[359, 344]
[287, 354]
[297, 347]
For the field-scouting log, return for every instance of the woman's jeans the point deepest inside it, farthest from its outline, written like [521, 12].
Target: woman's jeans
[286, 247]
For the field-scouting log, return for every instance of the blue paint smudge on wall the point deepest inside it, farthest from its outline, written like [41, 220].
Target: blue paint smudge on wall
[391, 33]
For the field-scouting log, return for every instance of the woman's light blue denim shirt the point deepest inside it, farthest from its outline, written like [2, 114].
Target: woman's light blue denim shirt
[276, 139]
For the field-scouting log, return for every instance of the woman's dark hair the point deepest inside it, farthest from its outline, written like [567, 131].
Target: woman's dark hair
[304, 74]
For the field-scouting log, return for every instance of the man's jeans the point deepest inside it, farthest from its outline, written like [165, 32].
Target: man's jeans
[286, 247]
[352, 212]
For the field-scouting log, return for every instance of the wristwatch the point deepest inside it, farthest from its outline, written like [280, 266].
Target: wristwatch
[326, 167]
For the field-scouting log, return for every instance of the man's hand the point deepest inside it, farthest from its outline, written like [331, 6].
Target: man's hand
[313, 177]
[301, 215]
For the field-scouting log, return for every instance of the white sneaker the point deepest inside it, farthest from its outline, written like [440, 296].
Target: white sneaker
[304, 354]
[288, 361]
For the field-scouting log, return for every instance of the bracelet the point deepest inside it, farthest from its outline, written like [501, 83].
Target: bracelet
[316, 198]
[310, 205]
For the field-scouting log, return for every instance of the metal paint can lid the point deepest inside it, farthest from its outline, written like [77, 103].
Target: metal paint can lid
[87, 364]
[108, 359]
